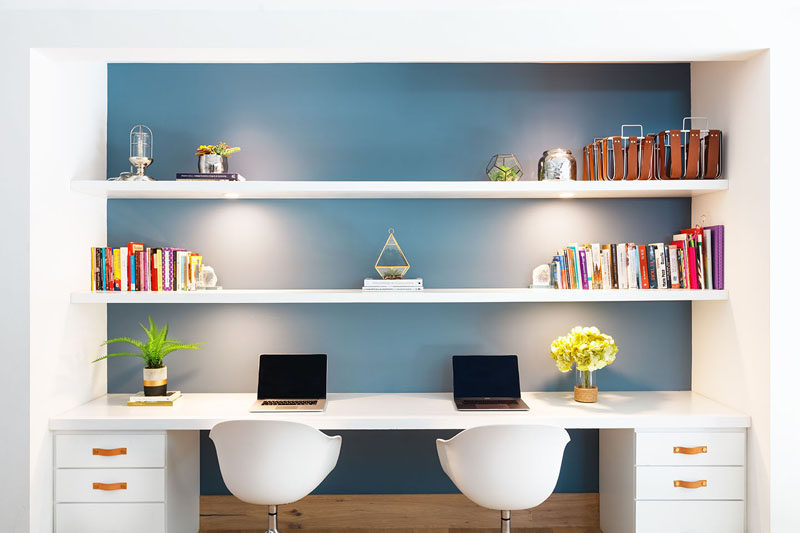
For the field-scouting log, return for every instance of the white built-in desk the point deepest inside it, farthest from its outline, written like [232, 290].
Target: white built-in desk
[424, 410]
[669, 460]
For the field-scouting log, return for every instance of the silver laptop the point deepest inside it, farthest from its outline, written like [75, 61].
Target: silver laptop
[291, 383]
[487, 383]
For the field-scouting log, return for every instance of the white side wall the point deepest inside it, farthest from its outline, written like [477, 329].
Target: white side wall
[730, 340]
[68, 125]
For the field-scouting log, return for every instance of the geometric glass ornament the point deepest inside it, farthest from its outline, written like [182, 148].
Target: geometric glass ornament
[392, 262]
[504, 167]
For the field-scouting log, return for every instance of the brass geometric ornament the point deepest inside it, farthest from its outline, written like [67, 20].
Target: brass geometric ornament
[392, 262]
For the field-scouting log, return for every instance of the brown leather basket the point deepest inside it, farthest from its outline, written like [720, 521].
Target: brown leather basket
[689, 153]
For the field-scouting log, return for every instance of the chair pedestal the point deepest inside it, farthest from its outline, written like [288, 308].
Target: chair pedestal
[272, 519]
[505, 521]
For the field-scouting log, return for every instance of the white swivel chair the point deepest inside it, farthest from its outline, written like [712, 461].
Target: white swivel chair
[273, 462]
[505, 468]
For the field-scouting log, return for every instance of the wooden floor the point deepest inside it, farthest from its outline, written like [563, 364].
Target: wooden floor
[431, 530]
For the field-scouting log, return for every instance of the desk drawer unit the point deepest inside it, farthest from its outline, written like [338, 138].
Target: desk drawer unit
[690, 481]
[110, 518]
[110, 451]
[681, 481]
[125, 482]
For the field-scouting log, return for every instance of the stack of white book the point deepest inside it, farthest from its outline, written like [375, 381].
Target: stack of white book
[140, 400]
[414, 284]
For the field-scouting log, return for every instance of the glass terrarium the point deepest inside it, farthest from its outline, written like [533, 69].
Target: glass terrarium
[504, 167]
[392, 262]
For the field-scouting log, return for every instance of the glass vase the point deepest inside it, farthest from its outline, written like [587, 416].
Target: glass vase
[585, 390]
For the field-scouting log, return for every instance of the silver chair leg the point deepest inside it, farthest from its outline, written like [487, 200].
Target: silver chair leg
[272, 519]
[505, 521]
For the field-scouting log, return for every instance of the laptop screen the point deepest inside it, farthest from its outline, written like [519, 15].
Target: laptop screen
[485, 376]
[292, 376]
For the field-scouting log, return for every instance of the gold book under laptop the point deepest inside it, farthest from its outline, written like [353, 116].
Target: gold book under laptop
[288, 382]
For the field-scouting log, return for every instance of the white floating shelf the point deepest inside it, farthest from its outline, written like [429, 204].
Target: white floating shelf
[303, 296]
[397, 189]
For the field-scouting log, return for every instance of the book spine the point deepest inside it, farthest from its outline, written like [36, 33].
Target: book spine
[652, 267]
[117, 278]
[692, 268]
[622, 266]
[612, 258]
[597, 266]
[660, 265]
[634, 280]
[644, 280]
[718, 236]
[103, 269]
[674, 277]
[92, 263]
[562, 263]
[605, 269]
[132, 272]
[123, 271]
[708, 259]
[572, 263]
[585, 282]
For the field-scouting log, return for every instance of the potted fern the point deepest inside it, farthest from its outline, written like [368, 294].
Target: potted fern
[152, 352]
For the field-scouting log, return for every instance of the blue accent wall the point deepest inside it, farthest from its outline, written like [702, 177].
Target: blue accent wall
[396, 121]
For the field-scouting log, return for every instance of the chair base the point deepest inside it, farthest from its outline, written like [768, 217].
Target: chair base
[505, 521]
[272, 519]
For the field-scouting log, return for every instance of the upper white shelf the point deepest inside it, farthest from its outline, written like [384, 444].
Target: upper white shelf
[397, 189]
[332, 296]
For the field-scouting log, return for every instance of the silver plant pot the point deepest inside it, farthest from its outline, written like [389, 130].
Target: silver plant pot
[212, 164]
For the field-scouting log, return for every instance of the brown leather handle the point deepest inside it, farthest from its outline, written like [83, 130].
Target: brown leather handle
[713, 144]
[618, 163]
[110, 486]
[646, 170]
[585, 176]
[603, 159]
[633, 159]
[690, 484]
[693, 155]
[109, 452]
[592, 172]
[675, 164]
[690, 451]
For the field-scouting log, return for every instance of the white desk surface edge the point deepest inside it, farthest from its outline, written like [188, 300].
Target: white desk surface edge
[409, 411]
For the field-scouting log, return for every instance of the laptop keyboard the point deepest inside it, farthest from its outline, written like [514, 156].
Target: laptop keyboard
[488, 402]
[289, 402]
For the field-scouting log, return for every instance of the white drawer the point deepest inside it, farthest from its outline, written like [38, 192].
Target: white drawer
[690, 448]
[718, 482]
[110, 451]
[690, 517]
[140, 485]
[110, 518]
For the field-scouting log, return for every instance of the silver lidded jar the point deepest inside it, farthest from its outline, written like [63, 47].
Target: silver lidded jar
[559, 164]
[540, 171]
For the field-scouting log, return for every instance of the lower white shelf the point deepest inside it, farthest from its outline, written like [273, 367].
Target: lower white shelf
[333, 296]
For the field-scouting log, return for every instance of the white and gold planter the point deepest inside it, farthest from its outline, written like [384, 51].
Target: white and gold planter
[155, 381]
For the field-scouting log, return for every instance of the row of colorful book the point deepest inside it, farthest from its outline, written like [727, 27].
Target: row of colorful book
[693, 259]
[137, 268]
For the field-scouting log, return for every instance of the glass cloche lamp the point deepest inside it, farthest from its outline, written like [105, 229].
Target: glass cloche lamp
[141, 151]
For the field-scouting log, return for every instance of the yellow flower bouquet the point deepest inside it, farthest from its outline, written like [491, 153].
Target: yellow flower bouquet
[589, 350]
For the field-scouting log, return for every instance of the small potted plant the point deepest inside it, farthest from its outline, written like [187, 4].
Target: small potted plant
[152, 352]
[589, 350]
[213, 159]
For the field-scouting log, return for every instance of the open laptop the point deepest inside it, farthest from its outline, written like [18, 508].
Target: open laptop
[291, 383]
[487, 383]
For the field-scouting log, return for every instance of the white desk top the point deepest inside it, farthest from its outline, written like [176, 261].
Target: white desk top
[433, 410]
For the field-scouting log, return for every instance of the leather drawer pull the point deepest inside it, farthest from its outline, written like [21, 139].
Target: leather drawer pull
[108, 453]
[116, 486]
[690, 484]
[690, 451]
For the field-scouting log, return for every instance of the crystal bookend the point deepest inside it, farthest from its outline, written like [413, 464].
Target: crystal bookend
[392, 263]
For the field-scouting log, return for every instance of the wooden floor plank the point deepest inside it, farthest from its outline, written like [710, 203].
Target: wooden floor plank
[398, 513]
